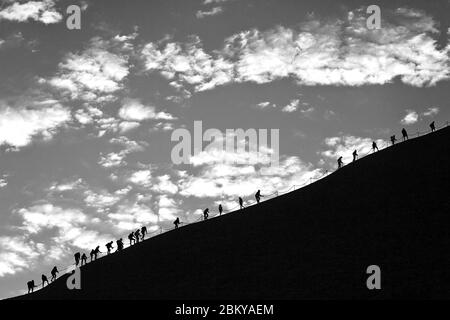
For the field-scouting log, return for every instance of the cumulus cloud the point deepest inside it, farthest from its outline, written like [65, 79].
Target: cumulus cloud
[48, 216]
[134, 110]
[17, 253]
[187, 64]
[101, 200]
[42, 11]
[292, 106]
[328, 52]
[141, 177]
[18, 125]
[3, 181]
[61, 231]
[164, 185]
[411, 117]
[92, 75]
[168, 208]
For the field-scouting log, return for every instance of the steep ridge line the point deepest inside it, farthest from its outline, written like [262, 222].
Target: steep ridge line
[296, 244]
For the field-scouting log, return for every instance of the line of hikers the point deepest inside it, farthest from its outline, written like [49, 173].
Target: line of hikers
[44, 279]
[258, 197]
[375, 146]
[139, 235]
[81, 259]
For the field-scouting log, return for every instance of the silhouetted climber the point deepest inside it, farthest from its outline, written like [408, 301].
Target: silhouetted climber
[241, 203]
[258, 196]
[109, 247]
[405, 134]
[92, 254]
[119, 244]
[131, 238]
[374, 146]
[143, 232]
[176, 223]
[206, 214]
[355, 155]
[137, 235]
[83, 259]
[44, 280]
[31, 286]
[432, 127]
[54, 272]
[77, 258]
[340, 163]
[393, 139]
[220, 209]
[96, 252]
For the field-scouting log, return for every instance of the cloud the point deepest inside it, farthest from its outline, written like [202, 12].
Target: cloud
[292, 106]
[16, 254]
[18, 125]
[48, 216]
[431, 112]
[42, 11]
[115, 159]
[411, 117]
[318, 52]
[3, 181]
[263, 105]
[68, 186]
[168, 208]
[61, 230]
[101, 200]
[92, 75]
[165, 185]
[187, 64]
[214, 11]
[141, 177]
[134, 110]
[125, 126]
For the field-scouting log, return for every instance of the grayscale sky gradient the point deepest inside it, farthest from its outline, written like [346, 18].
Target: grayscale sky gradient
[86, 115]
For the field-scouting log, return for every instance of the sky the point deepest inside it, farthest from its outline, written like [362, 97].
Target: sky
[86, 116]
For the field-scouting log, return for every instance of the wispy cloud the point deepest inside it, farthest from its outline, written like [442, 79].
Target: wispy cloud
[19, 124]
[206, 13]
[431, 112]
